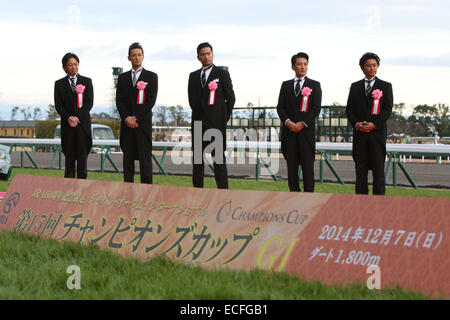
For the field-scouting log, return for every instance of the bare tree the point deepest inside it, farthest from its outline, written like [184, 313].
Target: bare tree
[37, 113]
[161, 115]
[399, 107]
[114, 113]
[26, 113]
[178, 115]
[52, 114]
[101, 116]
[14, 112]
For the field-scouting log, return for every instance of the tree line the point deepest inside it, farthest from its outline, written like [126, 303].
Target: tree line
[47, 120]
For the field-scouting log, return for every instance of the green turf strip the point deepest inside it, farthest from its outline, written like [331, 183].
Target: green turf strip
[35, 268]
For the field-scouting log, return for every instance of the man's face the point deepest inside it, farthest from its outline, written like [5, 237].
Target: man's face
[301, 67]
[370, 68]
[71, 67]
[136, 57]
[205, 56]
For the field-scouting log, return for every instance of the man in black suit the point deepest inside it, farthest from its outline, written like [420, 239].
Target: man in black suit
[298, 106]
[135, 97]
[74, 106]
[367, 113]
[212, 109]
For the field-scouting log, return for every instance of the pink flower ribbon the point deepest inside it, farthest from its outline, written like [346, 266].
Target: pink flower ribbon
[141, 85]
[376, 95]
[212, 92]
[306, 92]
[80, 95]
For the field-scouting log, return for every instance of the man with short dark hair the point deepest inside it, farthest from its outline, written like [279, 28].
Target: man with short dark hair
[74, 98]
[299, 104]
[135, 97]
[211, 98]
[369, 106]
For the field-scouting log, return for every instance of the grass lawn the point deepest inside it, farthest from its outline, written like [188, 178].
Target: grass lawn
[35, 268]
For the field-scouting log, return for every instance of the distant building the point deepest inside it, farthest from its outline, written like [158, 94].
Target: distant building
[17, 128]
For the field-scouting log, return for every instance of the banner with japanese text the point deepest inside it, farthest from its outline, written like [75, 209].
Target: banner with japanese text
[326, 237]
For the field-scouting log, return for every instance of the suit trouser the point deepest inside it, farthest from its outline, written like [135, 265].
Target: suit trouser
[300, 152]
[369, 155]
[220, 170]
[76, 140]
[136, 142]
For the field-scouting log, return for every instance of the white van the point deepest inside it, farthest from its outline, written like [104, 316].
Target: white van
[99, 132]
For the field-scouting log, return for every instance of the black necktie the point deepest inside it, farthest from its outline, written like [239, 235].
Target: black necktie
[72, 84]
[204, 75]
[369, 87]
[297, 88]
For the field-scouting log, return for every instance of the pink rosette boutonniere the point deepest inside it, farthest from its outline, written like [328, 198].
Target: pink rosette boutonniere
[212, 91]
[80, 95]
[141, 85]
[306, 92]
[376, 95]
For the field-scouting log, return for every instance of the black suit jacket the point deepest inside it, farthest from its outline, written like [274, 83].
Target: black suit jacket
[289, 108]
[66, 106]
[126, 102]
[359, 107]
[212, 116]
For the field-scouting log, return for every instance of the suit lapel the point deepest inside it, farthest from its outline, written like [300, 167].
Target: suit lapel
[376, 85]
[67, 86]
[212, 75]
[140, 76]
[362, 93]
[129, 81]
[362, 88]
[291, 85]
[81, 80]
[307, 83]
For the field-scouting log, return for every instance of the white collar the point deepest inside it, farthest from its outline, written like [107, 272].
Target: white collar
[207, 68]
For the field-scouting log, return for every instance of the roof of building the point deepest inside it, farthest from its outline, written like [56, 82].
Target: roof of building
[17, 123]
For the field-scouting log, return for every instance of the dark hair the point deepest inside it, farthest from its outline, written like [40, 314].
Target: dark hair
[298, 55]
[203, 45]
[366, 56]
[67, 56]
[135, 45]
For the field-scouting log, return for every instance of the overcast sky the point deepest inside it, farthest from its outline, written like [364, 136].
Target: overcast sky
[255, 39]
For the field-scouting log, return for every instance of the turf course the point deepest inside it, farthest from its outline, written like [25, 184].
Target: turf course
[35, 268]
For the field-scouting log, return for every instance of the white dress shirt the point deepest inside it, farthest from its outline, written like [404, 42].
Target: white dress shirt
[302, 82]
[75, 77]
[372, 81]
[207, 72]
